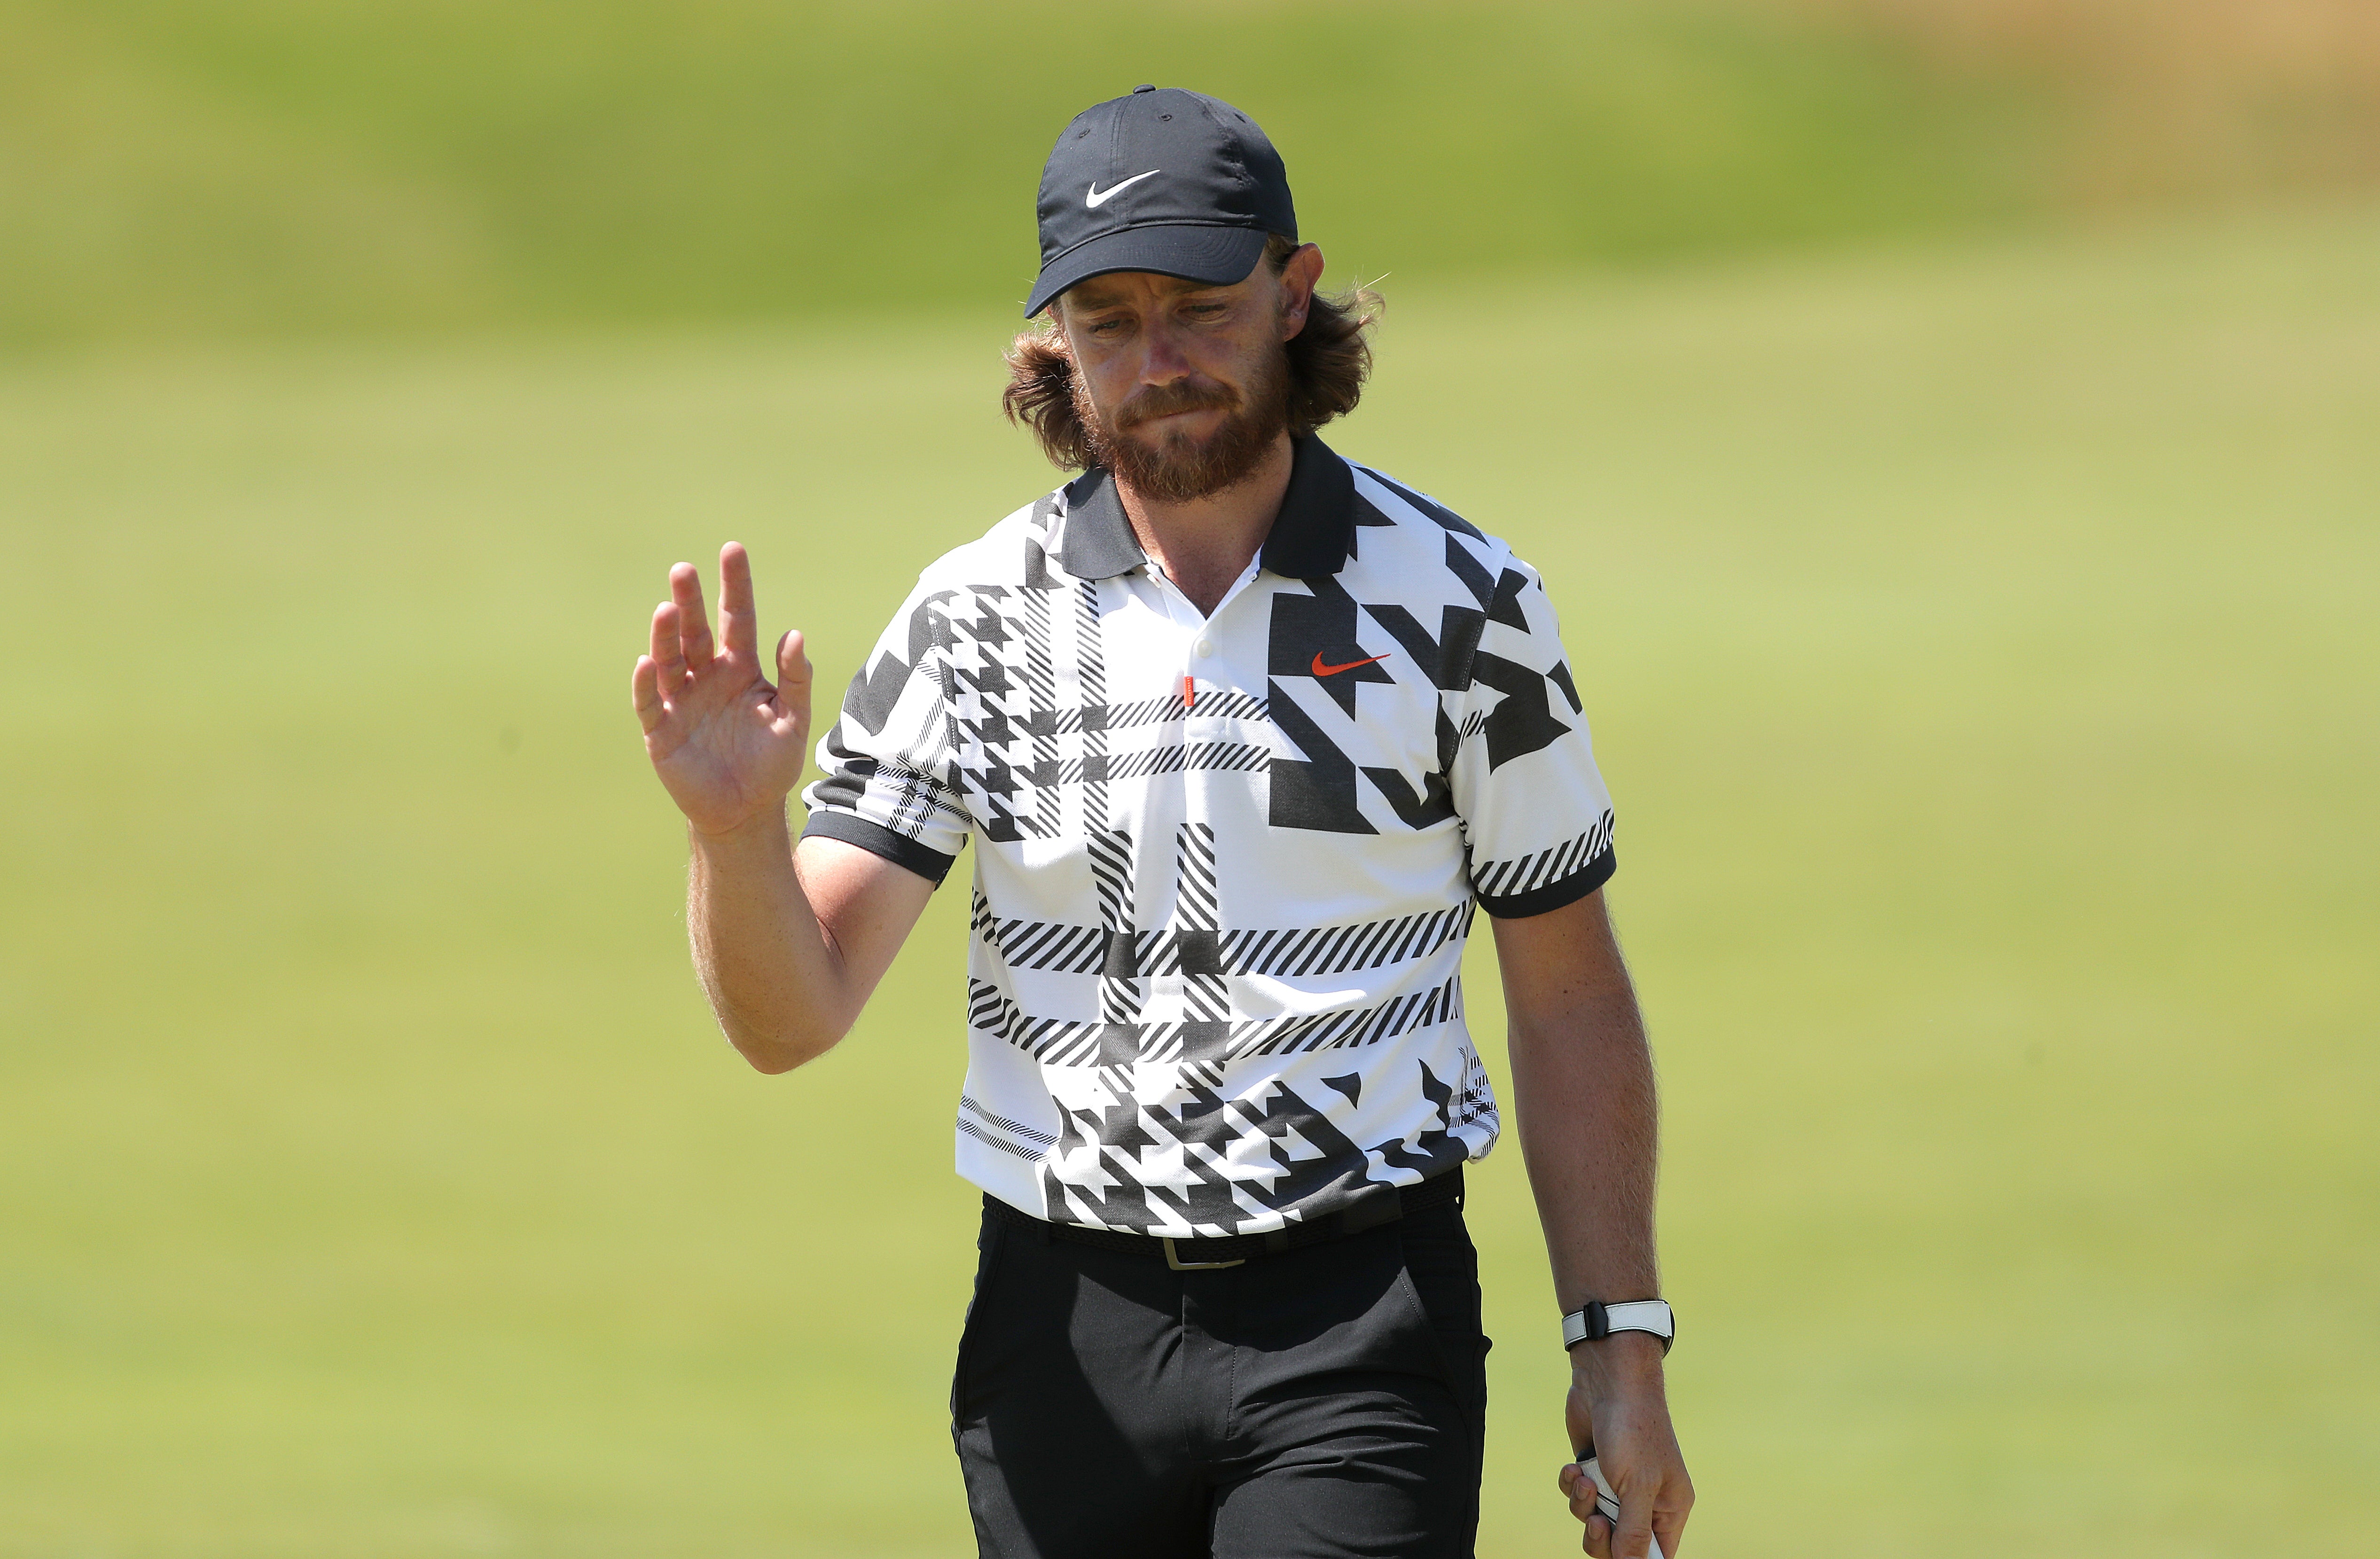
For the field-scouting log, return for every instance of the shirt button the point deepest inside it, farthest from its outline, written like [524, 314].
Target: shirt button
[1206, 648]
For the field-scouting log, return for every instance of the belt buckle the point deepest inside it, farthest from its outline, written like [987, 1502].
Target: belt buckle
[1174, 1259]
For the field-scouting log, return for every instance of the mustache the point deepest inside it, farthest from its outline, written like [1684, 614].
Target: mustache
[1167, 400]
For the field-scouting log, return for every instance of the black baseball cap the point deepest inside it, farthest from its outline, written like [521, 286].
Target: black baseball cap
[1164, 180]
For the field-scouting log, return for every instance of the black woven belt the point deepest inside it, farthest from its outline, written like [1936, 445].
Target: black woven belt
[1186, 1255]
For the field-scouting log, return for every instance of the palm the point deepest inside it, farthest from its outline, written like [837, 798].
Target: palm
[725, 743]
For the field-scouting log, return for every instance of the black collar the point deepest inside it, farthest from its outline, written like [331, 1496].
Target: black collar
[1313, 536]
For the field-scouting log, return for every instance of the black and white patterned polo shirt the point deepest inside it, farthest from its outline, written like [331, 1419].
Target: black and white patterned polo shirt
[1224, 866]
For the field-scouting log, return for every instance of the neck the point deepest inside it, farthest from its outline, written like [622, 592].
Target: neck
[1206, 544]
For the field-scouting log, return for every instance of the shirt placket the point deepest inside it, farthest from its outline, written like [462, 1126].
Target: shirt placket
[1200, 647]
[1198, 917]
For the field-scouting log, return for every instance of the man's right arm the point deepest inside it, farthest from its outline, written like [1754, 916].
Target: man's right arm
[789, 943]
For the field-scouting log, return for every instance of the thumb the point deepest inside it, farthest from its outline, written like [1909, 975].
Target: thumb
[1632, 1536]
[792, 675]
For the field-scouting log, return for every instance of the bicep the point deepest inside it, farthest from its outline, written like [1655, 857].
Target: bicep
[865, 904]
[1555, 964]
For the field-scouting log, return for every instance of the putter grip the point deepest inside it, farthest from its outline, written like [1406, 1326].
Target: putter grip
[1608, 1501]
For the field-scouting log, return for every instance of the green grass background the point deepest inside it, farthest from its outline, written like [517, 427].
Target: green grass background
[196, 169]
[1979, 643]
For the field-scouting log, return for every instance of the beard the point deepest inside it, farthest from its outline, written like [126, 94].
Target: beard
[1177, 467]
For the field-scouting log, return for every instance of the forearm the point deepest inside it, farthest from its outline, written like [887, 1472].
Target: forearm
[777, 981]
[1584, 1099]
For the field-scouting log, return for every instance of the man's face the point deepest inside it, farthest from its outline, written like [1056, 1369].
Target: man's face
[1183, 387]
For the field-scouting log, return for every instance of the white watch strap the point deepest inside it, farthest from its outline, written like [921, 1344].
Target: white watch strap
[1597, 1321]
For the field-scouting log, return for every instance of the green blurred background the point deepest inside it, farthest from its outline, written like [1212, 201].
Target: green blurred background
[1948, 428]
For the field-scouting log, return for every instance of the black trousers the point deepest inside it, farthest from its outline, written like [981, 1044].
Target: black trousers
[1325, 1403]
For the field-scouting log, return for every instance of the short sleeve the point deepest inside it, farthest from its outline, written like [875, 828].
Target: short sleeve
[1536, 815]
[891, 785]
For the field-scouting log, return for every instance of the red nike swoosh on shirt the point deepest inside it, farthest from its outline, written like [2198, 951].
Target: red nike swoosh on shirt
[1321, 670]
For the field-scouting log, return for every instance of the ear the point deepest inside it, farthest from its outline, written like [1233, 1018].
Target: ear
[1299, 277]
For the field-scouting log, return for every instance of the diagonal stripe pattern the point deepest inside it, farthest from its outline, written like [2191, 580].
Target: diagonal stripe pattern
[1056, 1041]
[1292, 952]
[1507, 879]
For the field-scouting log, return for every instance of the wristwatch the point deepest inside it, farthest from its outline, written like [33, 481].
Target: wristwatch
[1598, 1321]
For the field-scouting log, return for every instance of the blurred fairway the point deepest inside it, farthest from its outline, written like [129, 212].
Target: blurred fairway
[1980, 645]
[189, 168]
[211, 169]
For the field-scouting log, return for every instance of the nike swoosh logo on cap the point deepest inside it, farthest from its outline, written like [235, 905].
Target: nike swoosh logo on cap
[1095, 197]
[1321, 670]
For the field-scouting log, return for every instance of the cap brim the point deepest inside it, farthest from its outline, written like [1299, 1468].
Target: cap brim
[1196, 253]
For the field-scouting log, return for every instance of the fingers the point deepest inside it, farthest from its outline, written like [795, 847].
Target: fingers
[793, 675]
[645, 692]
[668, 651]
[1579, 1489]
[694, 631]
[739, 623]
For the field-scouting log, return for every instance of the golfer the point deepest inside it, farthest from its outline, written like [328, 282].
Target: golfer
[1243, 733]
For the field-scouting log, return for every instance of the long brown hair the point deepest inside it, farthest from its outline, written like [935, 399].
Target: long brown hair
[1329, 361]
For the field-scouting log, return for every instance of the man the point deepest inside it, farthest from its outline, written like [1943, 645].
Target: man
[1242, 734]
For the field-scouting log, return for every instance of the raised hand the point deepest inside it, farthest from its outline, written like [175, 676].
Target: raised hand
[726, 744]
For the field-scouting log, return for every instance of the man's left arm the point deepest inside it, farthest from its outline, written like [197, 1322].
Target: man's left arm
[1583, 1096]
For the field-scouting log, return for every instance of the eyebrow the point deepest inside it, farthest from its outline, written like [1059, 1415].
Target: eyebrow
[1090, 295]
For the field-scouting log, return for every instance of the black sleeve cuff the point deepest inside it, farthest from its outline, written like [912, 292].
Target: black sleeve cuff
[877, 840]
[1554, 895]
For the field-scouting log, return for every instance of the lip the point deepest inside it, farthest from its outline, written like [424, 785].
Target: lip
[1171, 416]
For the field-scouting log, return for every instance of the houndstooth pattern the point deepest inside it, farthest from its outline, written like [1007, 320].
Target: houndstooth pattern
[1222, 890]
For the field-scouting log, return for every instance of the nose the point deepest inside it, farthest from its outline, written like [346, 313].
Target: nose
[1163, 362]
